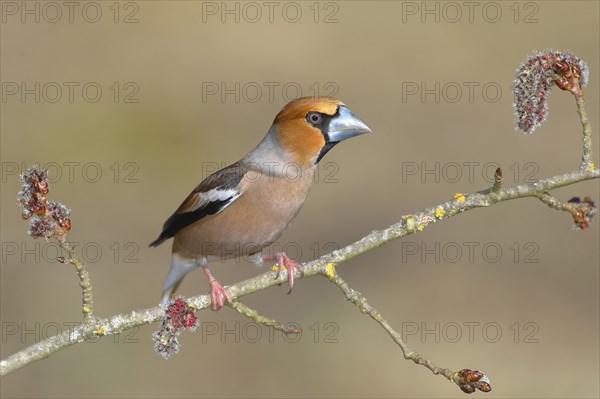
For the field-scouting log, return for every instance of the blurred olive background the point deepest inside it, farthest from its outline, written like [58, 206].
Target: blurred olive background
[538, 299]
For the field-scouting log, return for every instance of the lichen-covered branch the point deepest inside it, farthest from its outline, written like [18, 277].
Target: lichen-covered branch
[534, 79]
[408, 224]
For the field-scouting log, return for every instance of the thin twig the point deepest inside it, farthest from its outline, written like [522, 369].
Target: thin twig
[553, 202]
[587, 159]
[84, 281]
[260, 319]
[360, 301]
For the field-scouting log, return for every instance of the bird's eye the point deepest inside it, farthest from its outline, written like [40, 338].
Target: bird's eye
[313, 118]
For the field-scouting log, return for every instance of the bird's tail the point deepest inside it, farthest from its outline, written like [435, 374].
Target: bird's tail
[179, 268]
[167, 295]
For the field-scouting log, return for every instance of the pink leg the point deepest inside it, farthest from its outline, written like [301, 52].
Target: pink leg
[283, 261]
[217, 291]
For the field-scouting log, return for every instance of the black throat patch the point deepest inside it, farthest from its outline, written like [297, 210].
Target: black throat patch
[323, 126]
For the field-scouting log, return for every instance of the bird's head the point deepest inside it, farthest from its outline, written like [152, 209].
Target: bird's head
[309, 127]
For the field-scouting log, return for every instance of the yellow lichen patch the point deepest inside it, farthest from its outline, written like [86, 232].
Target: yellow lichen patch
[330, 270]
[86, 309]
[592, 166]
[410, 223]
[275, 268]
[439, 212]
[459, 197]
[420, 227]
[99, 331]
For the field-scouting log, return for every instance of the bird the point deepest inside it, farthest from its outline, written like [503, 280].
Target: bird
[246, 206]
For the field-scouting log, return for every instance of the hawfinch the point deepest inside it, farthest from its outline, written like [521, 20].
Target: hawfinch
[246, 206]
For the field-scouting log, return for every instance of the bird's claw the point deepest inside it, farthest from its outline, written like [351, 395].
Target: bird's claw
[285, 262]
[218, 294]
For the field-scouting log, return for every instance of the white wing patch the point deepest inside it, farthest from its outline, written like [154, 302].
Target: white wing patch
[200, 200]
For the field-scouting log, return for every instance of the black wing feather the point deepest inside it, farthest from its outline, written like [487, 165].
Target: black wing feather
[224, 179]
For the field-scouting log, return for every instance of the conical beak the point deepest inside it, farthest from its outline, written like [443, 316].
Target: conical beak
[346, 125]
